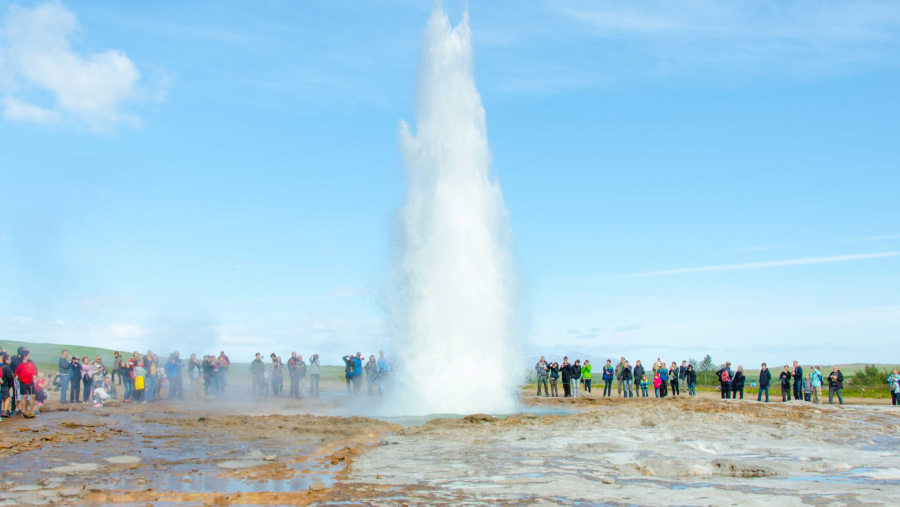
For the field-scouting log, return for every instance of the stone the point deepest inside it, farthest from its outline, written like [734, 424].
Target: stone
[25, 487]
[608, 480]
[75, 468]
[270, 457]
[317, 486]
[68, 492]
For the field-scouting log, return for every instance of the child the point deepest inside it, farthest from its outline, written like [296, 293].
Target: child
[644, 384]
[807, 387]
[657, 383]
[101, 392]
[138, 392]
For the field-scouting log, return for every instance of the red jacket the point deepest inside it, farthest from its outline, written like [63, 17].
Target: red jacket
[26, 372]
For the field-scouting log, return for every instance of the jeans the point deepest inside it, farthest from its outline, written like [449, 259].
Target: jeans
[644, 390]
[575, 387]
[607, 387]
[895, 398]
[314, 384]
[87, 382]
[763, 389]
[587, 385]
[75, 390]
[692, 388]
[675, 387]
[542, 381]
[737, 391]
[798, 389]
[63, 386]
[129, 386]
[814, 394]
[785, 392]
[149, 387]
[726, 390]
[835, 390]
[553, 390]
[626, 391]
[619, 386]
[657, 391]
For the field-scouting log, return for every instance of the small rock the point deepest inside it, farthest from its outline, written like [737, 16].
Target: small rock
[270, 457]
[123, 460]
[68, 492]
[317, 486]
[608, 480]
[25, 487]
[378, 476]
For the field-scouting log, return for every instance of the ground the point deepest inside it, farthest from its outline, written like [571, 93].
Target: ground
[558, 451]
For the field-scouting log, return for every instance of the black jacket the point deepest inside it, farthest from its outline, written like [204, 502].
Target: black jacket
[626, 373]
[554, 371]
[576, 371]
[738, 381]
[691, 376]
[566, 371]
[638, 373]
[836, 380]
[765, 377]
[785, 378]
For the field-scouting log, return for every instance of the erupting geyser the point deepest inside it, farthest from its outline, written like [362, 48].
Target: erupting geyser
[457, 352]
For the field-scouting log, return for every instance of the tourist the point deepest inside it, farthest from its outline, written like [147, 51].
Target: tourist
[114, 372]
[835, 385]
[314, 369]
[682, 374]
[815, 377]
[293, 368]
[619, 374]
[25, 374]
[384, 370]
[807, 387]
[586, 375]
[608, 373]
[124, 373]
[543, 372]
[357, 372]
[627, 381]
[893, 381]
[798, 381]
[257, 371]
[195, 372]
[371, 375]
[737, 384]
[140, 385]
[222, 371]
[785, 383]
[64, 367]
[765, 377]
[657, 383]
[170, 369]
[663, 379]
[75, 385]
[576, 376]
[637, 373]
[277, 376]
[691, 379]
[554, 377]
[725, 380]
[98, 372]
[348, 371]
[87, 374]
[566, 376]
[673, 378]
[207, 366]
[101, 392]
[7, 381]
[152, 380]
[644, 385]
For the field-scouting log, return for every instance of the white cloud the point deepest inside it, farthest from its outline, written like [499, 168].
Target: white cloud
[43, 67]
[767, 264]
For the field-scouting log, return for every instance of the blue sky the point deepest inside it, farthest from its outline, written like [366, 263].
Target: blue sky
[227, 175]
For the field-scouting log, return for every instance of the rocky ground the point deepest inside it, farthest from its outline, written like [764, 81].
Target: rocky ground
[636, 451]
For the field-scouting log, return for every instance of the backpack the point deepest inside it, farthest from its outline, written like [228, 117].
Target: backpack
[725, 376]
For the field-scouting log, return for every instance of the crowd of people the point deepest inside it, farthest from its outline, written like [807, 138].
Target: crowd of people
[674, 379]
[268, 379]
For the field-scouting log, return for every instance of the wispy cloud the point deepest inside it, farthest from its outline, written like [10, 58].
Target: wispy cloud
[767, 264]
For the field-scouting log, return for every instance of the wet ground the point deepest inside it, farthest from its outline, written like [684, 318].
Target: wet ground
[590, 451]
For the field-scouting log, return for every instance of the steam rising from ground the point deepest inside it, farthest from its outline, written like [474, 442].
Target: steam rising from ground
[456, 348]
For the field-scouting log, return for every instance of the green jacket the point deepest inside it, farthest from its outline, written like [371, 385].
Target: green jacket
[586, 371]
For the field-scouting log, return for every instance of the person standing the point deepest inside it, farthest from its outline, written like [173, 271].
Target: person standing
[554, 377]
[195, 371]
[691, 379]
[638, 373]
[725, 380]
[542, 374]
[293, 367]
[124, 373]
[835, 385]
[98, 374]
[815, 378]
[674, 372]
[371, 374]
[619, 374]
[75, 385]
[277, 376]
[785, 378]
[765, 378]
[257, 371]
[586, 375]
[357, 372]
[566, 373]
[807, 387]
[627, 380]
[348, 371]
[893, 381]
[64, 373]
[87, 375]
[657, 382]
[7, 380]
[664, 379]
[152, 379]
[314, 369]
[737, 385]
[222, 373]
[798, 381]
[682, 374]
[576, 378]
[25, 374]
[608, 373]
[177, 378]
[384, 370]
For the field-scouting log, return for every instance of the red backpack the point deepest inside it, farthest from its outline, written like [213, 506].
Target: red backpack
[725, 376]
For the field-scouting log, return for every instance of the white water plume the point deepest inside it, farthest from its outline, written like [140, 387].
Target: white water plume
[457, 350]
